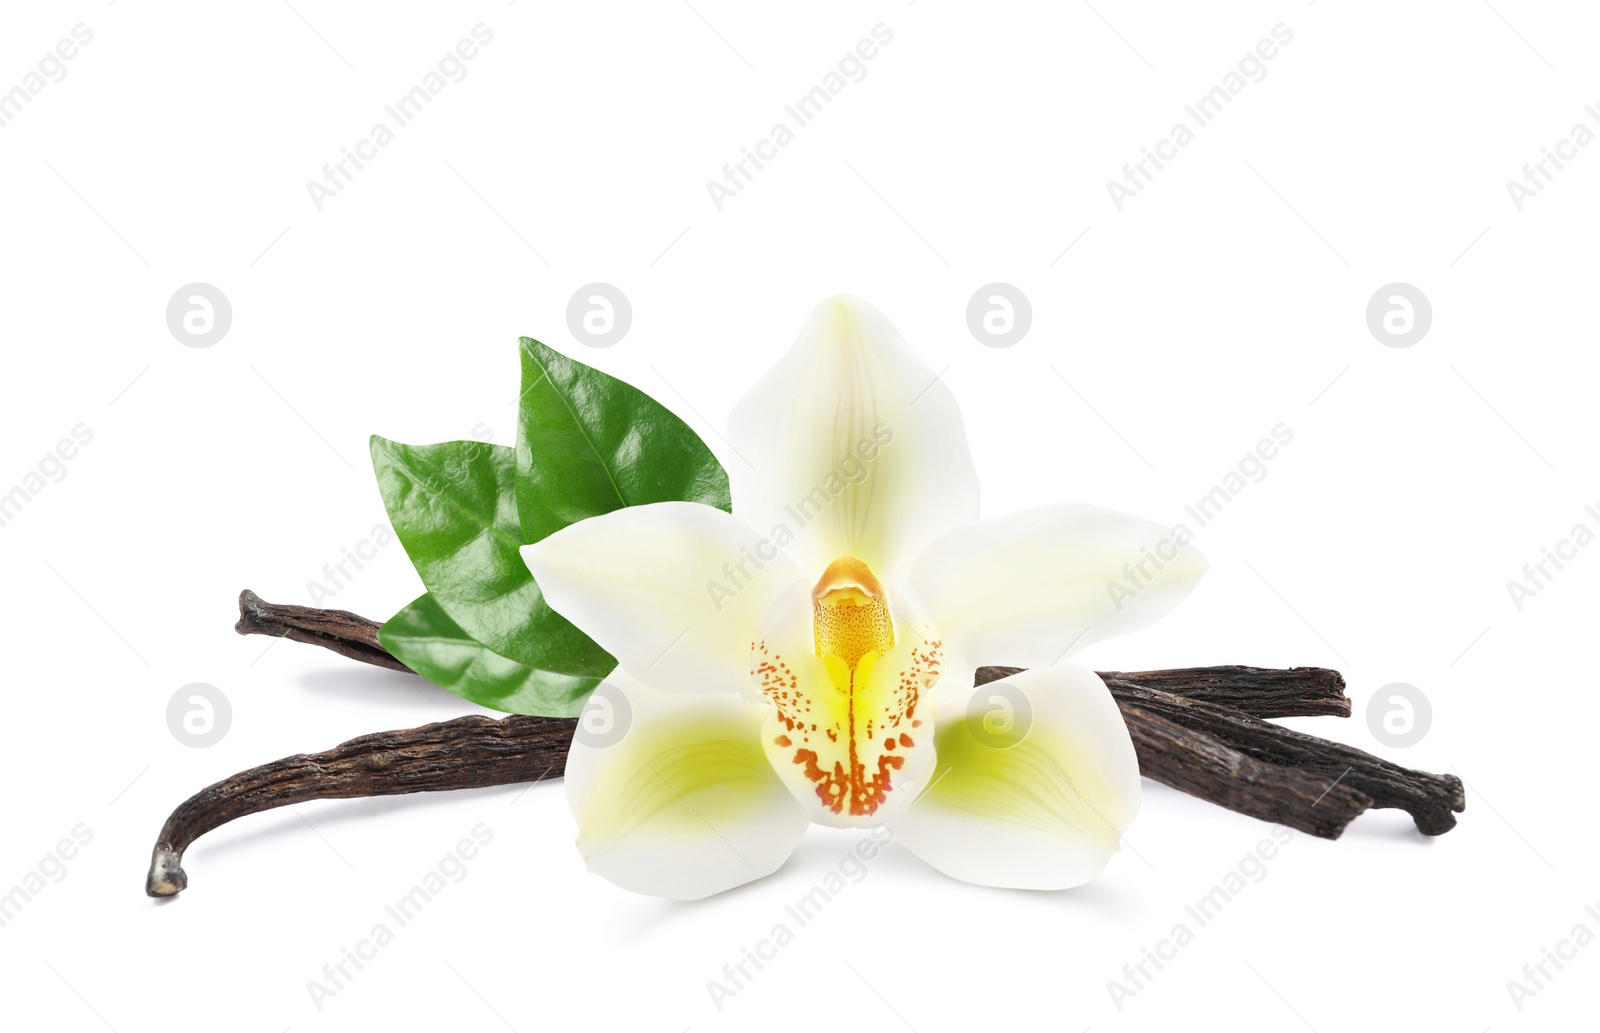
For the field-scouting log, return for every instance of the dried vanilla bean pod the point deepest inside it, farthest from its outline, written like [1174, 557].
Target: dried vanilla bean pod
[339, 630]
[466, 753]
[1202, 766]
[1431, 800]
[1262, 691]
[1290, 761]
[478, 751]
[475, 752]
[1258, 691]
[1198, 730]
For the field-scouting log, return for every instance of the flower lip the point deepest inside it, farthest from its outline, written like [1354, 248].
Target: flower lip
[843, 685]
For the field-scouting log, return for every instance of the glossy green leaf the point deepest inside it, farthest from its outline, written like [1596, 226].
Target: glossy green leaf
[453, 506]
[587, 444]
[424, 638]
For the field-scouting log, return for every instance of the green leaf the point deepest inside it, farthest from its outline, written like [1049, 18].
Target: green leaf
[454, 508]
[587, 444]
[424, 638]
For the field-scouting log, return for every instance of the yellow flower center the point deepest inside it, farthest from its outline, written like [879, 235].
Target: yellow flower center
[850, 618]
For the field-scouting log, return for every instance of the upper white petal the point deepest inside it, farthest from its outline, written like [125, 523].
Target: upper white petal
[1035, 782]
[674, 590]
[1030, 588]
[853, 445]
[673, 793]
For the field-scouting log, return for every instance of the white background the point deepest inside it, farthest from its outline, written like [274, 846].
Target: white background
[1228, 297]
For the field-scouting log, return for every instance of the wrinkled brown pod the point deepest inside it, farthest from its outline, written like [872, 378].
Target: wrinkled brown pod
[1199, 730]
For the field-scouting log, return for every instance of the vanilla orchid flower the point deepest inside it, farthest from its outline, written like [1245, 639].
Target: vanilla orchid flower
[810, 657]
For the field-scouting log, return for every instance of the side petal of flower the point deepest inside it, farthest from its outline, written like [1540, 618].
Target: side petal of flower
[853, 444]
[675, 590]
[1030, 588]
[673, 793]
[1033, 787]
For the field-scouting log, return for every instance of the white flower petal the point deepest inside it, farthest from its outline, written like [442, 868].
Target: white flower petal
[675, 590]
[1033, 786]
[853, 445]
[853, 758]
[673, 793]
[1030, 588]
